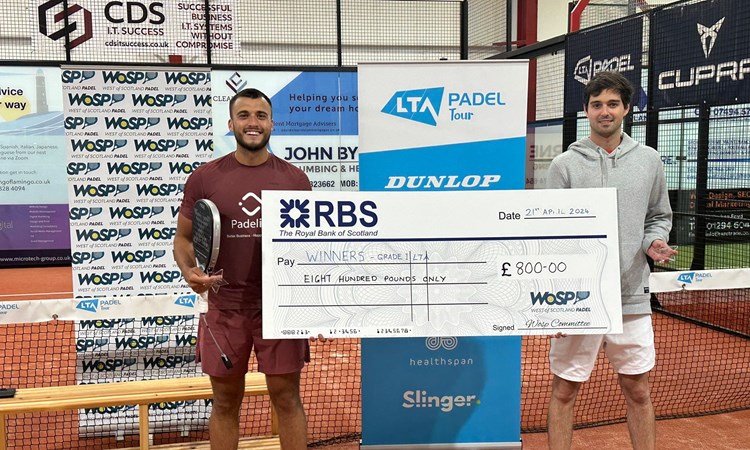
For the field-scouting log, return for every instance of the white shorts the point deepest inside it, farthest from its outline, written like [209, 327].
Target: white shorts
[630, 353]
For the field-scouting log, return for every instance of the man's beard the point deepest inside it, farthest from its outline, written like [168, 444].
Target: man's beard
[252, 148]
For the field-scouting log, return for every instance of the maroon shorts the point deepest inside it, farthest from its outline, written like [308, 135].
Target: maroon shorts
[237, 333]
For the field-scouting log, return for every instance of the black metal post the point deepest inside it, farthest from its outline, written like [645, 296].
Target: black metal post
[339, 45]
[464, 45]
[207, 21]
[701, 189]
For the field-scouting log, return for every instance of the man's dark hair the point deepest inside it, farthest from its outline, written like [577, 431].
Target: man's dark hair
[249, 93]
[613, 81]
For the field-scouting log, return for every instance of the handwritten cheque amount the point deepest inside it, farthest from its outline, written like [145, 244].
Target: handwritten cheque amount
[461, 263]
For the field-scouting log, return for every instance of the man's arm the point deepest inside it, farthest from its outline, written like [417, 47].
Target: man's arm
[658, 221]
[184, 256]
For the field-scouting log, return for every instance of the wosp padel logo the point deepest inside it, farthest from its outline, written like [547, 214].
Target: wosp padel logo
[295, 213]
[56, 23]
[419, 105]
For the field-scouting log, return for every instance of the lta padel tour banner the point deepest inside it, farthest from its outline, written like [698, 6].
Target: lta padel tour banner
[442, 126]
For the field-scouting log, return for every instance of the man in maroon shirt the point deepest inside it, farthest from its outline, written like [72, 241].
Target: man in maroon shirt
[232, 325]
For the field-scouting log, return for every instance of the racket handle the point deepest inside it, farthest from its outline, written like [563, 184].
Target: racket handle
[202, 304]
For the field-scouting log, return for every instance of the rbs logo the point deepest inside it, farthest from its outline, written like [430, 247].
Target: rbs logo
[343, 213]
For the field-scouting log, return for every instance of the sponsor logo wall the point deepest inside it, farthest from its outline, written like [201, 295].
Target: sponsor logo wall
[133, 137]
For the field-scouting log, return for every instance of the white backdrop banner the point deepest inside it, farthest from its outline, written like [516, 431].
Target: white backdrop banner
[133, 137]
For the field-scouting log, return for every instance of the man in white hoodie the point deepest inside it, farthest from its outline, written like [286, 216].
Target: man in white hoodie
[610, 158]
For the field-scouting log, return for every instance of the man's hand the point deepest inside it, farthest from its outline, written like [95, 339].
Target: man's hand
[661, 252]
[198, 281]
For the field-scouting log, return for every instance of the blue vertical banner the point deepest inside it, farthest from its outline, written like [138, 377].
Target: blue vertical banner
[442, 126]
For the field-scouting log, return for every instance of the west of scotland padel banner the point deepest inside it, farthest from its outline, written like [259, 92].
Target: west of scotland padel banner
[616, 47]
[701, 54]
[442, 126]
[133, 137]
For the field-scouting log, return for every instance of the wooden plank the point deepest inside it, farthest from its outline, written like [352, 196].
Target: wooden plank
[140, 393]
[143, 431]
[146, 387]
[3, 437]
[122, 393]
[255, 443]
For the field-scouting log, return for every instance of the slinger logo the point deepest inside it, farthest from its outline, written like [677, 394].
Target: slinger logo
[419, 105]
[709, 35]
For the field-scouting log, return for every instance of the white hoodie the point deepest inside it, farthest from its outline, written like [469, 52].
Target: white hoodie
[643, 210]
